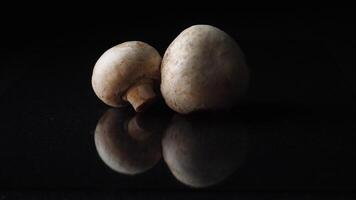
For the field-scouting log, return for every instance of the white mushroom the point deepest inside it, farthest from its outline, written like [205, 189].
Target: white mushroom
[203, 69]
[127, 72]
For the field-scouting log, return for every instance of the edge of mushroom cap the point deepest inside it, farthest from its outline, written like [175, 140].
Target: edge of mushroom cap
[148, 57]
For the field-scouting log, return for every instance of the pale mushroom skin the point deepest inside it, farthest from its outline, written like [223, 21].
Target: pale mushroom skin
[127, 72]
[124, 145]
[203, 69]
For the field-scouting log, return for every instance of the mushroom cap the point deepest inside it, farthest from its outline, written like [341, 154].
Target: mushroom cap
[125, 152]
[203, 69]
[204, 151]
[122, 66]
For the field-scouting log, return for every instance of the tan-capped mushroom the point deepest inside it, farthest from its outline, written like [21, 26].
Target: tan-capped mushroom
[127, 72]
[203, 69]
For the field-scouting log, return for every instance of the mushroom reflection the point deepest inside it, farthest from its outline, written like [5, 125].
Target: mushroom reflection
[126, 143]
[202, 151]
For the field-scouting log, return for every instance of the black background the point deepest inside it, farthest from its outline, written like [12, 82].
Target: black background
[300, 105]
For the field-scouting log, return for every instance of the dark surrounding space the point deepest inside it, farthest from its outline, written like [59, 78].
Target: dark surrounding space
[299, 112]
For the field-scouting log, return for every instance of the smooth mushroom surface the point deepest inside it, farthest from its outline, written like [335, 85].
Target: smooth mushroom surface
[124, 145]
[203, 69]
[203, 151]
[128, 72]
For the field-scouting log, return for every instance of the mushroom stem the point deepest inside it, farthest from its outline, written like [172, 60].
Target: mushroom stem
[140, 95]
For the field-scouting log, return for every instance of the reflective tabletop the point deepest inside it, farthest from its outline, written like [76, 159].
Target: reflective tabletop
[293, 133]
